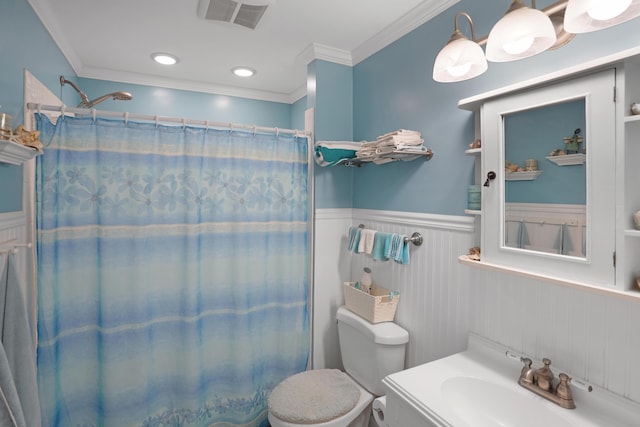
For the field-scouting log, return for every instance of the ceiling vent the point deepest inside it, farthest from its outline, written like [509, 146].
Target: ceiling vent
[247, 13]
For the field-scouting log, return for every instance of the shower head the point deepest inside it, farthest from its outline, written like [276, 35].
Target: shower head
[116, 96]
[86, 103]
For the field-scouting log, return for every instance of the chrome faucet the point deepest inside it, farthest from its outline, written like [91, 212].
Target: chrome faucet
[541, 382]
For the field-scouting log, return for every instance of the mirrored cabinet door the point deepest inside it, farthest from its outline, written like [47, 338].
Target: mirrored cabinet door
[551, 208]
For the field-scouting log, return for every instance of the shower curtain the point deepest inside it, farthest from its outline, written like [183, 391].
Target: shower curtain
[172, 272]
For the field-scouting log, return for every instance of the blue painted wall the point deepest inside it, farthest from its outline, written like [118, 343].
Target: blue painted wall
[25, 44]
[330, 92]
[394, 89]
[180, 103]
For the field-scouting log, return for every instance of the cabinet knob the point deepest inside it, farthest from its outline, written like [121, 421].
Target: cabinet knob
[491, 175]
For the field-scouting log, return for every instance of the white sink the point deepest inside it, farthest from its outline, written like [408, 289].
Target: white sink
[479, 388]
[482, 403]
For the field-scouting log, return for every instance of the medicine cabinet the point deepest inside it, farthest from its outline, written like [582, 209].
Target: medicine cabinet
[591, 239]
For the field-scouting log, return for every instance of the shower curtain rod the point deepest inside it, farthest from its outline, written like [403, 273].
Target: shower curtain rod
[161, 119]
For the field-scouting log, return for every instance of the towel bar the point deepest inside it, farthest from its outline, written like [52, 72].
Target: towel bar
[416, 238]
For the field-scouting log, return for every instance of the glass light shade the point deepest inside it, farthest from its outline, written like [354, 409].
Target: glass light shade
[521, 33]
[460, 59]
[583, 16]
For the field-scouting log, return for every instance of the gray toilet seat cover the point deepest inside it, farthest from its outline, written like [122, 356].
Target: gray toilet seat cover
[314, 396]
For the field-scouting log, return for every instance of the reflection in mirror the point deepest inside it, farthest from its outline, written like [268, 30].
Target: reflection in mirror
[545, 179]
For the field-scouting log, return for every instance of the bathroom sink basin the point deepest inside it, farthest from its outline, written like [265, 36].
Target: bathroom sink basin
[482, 403]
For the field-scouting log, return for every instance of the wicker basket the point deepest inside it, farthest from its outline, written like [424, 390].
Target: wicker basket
[379, 306]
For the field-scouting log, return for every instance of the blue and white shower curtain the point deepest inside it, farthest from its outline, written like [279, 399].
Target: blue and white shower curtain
[172, 273]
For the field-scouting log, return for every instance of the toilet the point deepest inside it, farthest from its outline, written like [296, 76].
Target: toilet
[332, 398]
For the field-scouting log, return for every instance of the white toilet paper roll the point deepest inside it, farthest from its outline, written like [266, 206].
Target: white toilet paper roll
[379, 411]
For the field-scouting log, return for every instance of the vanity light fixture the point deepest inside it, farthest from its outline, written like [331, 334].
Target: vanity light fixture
[164, 58]
[243, 71]
[461, 58]
[583, 16]
[522, 32]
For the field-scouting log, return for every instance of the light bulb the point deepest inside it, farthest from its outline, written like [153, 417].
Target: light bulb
[459, 70]
[518, 46]
[602, 10]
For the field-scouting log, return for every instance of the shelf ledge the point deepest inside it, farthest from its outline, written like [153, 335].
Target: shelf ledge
[628, 294]
[14, 153]
[568, 159]
[521, 176]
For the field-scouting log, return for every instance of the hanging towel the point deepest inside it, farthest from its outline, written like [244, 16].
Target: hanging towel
[354, 238]
[17, 344]
[405, 252]
[379, 242]
[367, 238]
[10, 409]
[330, 153]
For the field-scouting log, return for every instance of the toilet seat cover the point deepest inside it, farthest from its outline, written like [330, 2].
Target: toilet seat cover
[314, 396]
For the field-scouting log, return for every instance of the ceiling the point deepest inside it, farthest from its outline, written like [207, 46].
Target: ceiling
[113, 40]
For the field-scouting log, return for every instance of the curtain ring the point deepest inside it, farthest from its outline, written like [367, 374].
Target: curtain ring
[62, 110]
[126, 118]
[277, 132]
[39, 108]
[230, 127]
[184, 123]
[206, 125]
[93, 114]
[156, 119]
[255, 129]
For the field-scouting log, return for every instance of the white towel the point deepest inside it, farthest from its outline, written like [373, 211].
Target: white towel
[367, 238]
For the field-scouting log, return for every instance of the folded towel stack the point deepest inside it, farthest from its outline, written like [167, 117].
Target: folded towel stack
[402, 141]
[381, 246]
[330, 153]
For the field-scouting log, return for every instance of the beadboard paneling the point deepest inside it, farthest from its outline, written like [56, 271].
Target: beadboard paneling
[590, 335]
[433, 303]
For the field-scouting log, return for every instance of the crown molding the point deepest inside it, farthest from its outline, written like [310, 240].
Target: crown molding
[408, 22]
[325, 53]
[179, 84]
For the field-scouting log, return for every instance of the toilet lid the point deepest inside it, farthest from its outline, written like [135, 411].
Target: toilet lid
[313, 397]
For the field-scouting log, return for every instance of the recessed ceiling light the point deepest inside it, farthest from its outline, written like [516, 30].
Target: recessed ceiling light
[243, 71]
[164, 58]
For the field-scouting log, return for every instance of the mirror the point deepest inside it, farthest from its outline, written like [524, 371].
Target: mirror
[545, 179]
[556, 220]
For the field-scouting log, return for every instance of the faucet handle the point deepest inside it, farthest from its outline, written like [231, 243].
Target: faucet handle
[527, 372]
[563, 391]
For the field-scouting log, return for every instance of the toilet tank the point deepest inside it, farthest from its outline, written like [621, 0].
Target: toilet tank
[370, 351]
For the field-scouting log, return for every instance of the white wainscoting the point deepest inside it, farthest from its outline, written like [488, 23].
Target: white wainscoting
[591, 336]
[433, 304]
[13, 230]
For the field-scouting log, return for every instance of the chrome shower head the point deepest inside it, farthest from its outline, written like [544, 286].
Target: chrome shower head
[86, 103]
[116, 96]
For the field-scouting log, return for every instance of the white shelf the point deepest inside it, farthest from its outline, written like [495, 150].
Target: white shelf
[392, 156]
[472, 212]
[14, 153]
[473, 151]
[632, 232]
[521, 176]
[568, 159]
[631, 294]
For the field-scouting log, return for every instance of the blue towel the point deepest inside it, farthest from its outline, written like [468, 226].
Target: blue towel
[354, 238]
[397, 249]
[379, 243]
[18, 344]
